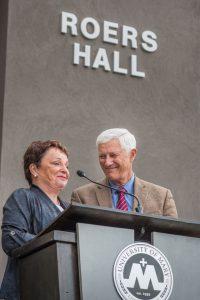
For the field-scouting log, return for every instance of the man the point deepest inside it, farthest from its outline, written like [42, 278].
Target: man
[117, 151]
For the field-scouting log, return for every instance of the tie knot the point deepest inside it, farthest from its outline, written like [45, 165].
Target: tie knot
[122, 189]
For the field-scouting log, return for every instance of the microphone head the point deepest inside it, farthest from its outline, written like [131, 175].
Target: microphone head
[80, 173]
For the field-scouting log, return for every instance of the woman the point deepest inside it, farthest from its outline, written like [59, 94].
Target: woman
[28, 211]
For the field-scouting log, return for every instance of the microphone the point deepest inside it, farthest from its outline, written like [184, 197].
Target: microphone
[81, 173]
[138, 209]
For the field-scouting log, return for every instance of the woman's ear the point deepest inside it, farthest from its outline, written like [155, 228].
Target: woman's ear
[33, 170]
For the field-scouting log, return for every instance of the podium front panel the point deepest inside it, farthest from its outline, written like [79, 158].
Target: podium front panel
[48, 268]
[98, 248]
[183, 254]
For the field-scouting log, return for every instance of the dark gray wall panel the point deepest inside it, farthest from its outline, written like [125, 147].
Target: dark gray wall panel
[46, 96]
[3, 39]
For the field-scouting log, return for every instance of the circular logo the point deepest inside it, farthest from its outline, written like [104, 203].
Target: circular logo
[141, 271]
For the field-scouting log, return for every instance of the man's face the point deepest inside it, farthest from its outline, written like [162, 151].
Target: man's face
[116, 162]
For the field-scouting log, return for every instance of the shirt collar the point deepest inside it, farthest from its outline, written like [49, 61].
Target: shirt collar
[128, 186]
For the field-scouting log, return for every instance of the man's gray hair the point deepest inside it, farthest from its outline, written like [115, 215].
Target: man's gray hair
[126, 139]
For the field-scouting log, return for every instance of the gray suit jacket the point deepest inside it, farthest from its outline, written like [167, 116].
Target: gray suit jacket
[154, 199]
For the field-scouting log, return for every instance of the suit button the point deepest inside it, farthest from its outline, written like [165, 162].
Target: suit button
[12, 232]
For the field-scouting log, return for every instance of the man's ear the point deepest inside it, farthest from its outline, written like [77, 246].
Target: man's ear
[133, 154]
[33, 170]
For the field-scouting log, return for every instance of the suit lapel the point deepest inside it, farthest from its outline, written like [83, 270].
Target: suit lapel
[103, 195]
[140, 192]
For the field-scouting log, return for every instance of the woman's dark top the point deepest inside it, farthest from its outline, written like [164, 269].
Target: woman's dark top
[25, 214]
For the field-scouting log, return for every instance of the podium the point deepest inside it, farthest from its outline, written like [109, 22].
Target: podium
[76, 257]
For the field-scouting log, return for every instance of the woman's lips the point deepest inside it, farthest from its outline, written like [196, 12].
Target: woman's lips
[62, 177]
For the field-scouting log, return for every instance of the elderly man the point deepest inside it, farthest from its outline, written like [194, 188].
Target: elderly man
[117, 151]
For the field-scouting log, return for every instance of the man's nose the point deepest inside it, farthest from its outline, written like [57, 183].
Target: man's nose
[108, 160]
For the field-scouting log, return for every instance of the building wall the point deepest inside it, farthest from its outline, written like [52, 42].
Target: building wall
[3, 39]
[47, 97]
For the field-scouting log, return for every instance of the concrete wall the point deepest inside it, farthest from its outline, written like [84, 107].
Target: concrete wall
[47, 97]
[3, 39]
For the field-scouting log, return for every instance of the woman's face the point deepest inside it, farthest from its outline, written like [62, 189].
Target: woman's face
[53, 173]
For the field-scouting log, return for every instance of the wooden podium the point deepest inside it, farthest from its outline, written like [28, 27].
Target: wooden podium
[74, 257]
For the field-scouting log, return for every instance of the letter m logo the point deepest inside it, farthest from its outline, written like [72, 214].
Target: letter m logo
[143, 278]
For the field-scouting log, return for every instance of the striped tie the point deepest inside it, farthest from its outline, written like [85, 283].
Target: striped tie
[121, 204]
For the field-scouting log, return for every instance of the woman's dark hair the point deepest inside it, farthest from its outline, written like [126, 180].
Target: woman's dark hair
[35, 153]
